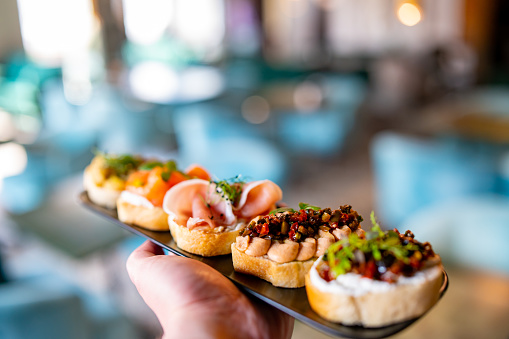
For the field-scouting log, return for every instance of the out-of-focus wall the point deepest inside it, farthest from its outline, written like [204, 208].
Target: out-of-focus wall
[10, 34]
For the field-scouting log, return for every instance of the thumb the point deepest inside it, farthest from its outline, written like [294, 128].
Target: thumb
[135, 261]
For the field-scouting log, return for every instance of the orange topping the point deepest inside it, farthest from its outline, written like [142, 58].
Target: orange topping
[157, 187]
[136, 182]
[151, 185]
[197, 171]
[176, 177]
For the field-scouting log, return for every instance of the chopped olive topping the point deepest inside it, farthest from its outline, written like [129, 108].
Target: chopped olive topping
[380, 255]
[298, 225]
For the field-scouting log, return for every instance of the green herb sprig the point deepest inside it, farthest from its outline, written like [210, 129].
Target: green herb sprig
[120, 164]
[231, 188]
[377, 243]
[302, 206]
[150, 165]
[168, 168]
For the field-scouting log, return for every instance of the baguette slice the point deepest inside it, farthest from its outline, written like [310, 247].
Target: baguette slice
[102, 196]
[291, 274]
[202, 242]
[152, 218]
[379, 306]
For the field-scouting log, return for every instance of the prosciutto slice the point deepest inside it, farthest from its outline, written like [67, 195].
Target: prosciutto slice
[199, 203]
[258, 197]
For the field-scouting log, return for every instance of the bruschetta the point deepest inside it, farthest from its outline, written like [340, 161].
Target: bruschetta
[281, 247]
[141, 202]
[105, 178]
[205, 217]
[375, 281]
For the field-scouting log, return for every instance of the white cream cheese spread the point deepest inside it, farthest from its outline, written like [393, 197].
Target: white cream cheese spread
[135, 199]
[355, 285]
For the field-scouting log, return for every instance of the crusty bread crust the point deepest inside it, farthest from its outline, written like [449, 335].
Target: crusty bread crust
[205, 243]
[405, 302]
[101, 196]
[154, 219]
[291, 274]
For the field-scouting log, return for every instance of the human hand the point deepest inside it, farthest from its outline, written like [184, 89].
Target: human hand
[193, 300]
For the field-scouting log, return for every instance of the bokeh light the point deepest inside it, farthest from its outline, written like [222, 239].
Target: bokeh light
[256, 109]
[409, 14]
[13, 158]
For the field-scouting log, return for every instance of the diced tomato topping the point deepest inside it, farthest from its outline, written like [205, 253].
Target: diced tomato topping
[415, 263]
[264, 229]
[396, 268]
[258, 228]
[291, 235]
[303, 216]
[370, 269]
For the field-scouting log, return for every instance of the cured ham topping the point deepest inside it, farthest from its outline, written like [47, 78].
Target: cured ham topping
[379, 255]
[201, 203]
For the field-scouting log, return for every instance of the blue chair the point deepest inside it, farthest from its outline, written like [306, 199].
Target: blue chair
[226, 144]
[322, 132]
[411, 173]
[29, 311]
[468, 231]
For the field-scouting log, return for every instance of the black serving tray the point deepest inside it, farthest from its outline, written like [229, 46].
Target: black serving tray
[292, 301]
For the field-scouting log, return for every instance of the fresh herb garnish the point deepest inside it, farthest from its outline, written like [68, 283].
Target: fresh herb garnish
[304, 206]
[168, 168]
[120, 164]
[230, 189]
[150, 165]
[281, 210]
[377, 245]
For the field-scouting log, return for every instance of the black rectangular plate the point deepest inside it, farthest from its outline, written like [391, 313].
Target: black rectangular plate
[292, 301]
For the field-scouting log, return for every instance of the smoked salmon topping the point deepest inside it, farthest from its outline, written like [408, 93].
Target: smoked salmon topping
[154, 179]
[198, 172]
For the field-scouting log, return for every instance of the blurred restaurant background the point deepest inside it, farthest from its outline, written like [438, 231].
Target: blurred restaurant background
[395, 106]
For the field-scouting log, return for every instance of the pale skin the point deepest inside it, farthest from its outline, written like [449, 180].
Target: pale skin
[193, 300]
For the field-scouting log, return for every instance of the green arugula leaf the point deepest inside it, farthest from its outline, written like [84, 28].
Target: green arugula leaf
[304, 206]
[376, 246]
[281, 210]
